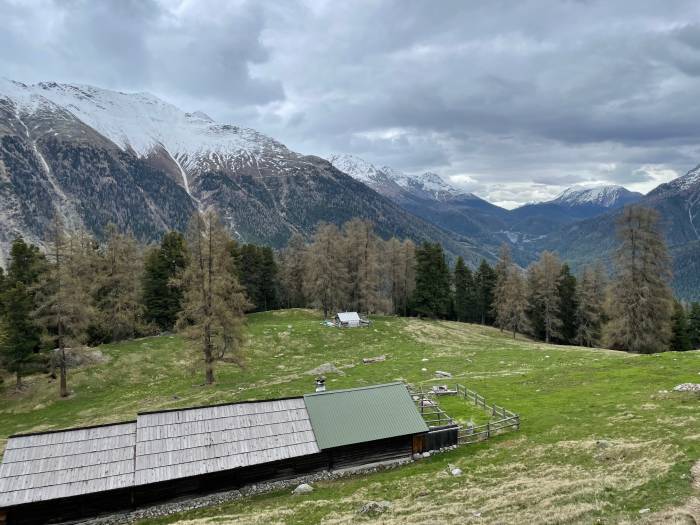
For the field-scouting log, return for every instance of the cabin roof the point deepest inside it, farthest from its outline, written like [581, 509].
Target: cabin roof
[51, 465]
[357, 415]
[190, 442]
[347, 317]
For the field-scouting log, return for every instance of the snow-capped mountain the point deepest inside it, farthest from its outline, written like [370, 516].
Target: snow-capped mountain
[427, 185]
[601, 196]
[98, 156]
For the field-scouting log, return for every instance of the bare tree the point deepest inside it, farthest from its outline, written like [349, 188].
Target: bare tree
[640, 302]
[590, 302]
[543, 282]
[214, 303]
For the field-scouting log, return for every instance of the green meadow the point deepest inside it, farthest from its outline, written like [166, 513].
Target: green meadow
[603, 436]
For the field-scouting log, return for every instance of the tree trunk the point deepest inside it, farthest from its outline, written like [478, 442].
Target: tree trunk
[18, 385]
[64, 385]
[208, 357]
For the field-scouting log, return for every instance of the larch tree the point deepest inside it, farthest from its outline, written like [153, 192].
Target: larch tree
[544, 277]
[65, 305]
[118, 287]
[326, 275]
[511, 310]
[362, 264]
[214, 303]
[590, 304]
[292, 272]
[162, 264]
[640, 302]
[501, 300]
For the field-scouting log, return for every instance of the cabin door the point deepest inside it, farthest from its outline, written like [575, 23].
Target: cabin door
[417, 444]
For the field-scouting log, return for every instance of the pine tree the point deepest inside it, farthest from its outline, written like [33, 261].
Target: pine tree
[484, 284]
[162, 264]
[463, 286]
[432, 296]
[214, 303]
[640, 303]
[590, 302]
[544, 278]
[292, 272]
[567, 305]
[118, 289]
[64, 307]
[694, 325]
[680, 338]
[17, 297]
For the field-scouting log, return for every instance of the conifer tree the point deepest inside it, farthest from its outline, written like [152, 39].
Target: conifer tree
[432, 296]
[544, 277]
[484, 284]
[640, 302]
[694, 325]
[362, 264]
[17, 297]
[65, 307]
[590, 302]
[118, 289]
[214, 303]
[680, 338]
[162, 264]
[292, 272]
[501, 299]
[326, 274]
[463, 291]
[511, 310]
[567, 306]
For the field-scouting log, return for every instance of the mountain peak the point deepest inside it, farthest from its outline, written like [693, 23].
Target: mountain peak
[611, 196]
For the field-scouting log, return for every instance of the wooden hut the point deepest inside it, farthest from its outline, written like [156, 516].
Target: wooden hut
[70, 474]
[349, 320]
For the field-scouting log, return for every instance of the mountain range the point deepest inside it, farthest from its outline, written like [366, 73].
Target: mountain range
[97, 156]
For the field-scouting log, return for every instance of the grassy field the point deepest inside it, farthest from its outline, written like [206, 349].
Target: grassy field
[602, 437]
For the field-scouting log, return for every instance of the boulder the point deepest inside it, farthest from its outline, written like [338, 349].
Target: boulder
[304, 488]
[687, 387]
[374, 508]
[378, 359]
[325, 368]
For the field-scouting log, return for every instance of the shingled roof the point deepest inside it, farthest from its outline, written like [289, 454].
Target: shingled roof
[51, 465]
[183, 443]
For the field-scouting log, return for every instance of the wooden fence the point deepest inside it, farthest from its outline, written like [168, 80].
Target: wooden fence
[506, 421]
[433, 415]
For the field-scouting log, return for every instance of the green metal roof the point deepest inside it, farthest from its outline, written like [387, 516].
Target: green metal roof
[358, 415]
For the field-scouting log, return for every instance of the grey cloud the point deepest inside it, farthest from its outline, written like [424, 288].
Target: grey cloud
[524, 97]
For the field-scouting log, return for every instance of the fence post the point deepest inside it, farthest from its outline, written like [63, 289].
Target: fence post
[488, 430]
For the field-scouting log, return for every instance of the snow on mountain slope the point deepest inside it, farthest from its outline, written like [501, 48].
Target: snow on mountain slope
[601, 196]
[142, 123]
[426, 185]
[690, 180]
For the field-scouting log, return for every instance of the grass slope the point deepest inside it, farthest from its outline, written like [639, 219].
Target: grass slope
[552, 471]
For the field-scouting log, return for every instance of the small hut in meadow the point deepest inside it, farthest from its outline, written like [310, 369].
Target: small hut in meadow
[349, 320]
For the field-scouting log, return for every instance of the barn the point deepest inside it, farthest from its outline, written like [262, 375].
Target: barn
[64, 475]
[349, 320]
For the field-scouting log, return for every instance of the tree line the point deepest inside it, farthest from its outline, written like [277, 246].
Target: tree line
[202, 283]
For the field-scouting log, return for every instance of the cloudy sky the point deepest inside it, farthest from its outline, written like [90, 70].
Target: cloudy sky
[514, 100]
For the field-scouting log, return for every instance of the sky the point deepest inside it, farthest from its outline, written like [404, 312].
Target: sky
[513, 100]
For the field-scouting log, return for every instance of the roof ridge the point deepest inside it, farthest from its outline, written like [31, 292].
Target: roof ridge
[354, 389]
[247, 401]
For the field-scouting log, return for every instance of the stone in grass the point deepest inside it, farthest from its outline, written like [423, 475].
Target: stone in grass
[374, 508]
[644, 511]
[455, 471]
[426, 454]
[441, 373]
[304, 488]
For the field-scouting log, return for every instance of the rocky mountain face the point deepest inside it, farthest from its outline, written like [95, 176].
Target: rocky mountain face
[97, 156]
